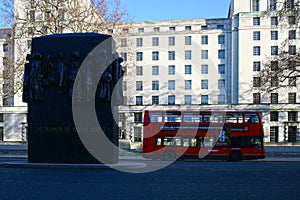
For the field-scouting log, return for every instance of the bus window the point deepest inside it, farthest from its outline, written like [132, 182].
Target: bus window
[156, 117]
[185, 142]
[251, 118]
[173, 117]
[234, 118]
[172, 141]
[196, 142]
[192, 117]
[255, 142]
[158, 141]
[208, 142]
[239, 142]
[213, 117]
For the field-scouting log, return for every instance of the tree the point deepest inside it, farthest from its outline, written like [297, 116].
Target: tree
[282, 70]
[33, 18]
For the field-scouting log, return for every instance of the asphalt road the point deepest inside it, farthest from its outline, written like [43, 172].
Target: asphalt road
[180, 180]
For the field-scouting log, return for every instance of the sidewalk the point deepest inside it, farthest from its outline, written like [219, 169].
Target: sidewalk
[271, 151]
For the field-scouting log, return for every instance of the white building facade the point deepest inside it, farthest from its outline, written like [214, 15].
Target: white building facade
[205, 64]
[209, 64]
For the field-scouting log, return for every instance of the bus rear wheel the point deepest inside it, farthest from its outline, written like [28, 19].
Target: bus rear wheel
[169, 156]
[235, 156]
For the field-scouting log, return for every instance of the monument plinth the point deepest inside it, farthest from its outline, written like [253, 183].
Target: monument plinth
[68, 72]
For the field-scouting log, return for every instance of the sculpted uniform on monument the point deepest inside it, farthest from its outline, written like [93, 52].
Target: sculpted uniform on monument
[36, 78]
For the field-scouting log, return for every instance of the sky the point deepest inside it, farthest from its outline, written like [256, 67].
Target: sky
[151, 10]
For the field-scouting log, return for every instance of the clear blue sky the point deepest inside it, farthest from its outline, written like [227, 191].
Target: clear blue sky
[148, 10]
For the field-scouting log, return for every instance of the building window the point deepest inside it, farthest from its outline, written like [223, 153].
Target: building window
[156, 29]
[188, 28]
[256, 98]
[139, 42]
[289, 4]
[141, 30]
[137, 134]
[256, 66]
[204, 39]
[221, 54]
[138, 117]
[204, 69]
[171, 85]
[221, 99]
[273, 5]
[256, 81]
[221, 84]
[256, 50]
[139, 100]
[255, 5]
[256, 21]
[291, 20]
[188, 84]
[274, 21]
[139, 70]
[188, 69]
[31, 16]
[292, 49]
[5, 47]
[171, 55]
[292, 34]
[139, 85]
[155, 85]
[292, 98]
[274, 98]
[155, 70]
[292, 81]
[219, 26]
[171, 41]
[274, 116]
[171, 69]
[204, 54]
[155, 100]
[256, 35]
[204, 99]
[188, 40]
[155, 55]
[274, 130]
[139, 56]
[274, 66]
[292, 116]
[155, 41]
[172, 28]
[187, 99]
[171, 100]
[221, 69]
[188, 54]
[274, 50]
[274, 35]
[123, 42]
[204, 84]
[203, 27]
[292, 134]
[274, 81]
[221, 39]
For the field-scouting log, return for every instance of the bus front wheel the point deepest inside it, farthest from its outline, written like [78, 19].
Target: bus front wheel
[169, 156]
[235, 156]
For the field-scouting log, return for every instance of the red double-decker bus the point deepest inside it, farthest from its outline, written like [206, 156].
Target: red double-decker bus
[227, 135]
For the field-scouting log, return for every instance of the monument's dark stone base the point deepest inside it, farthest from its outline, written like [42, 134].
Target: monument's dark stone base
[52, 135]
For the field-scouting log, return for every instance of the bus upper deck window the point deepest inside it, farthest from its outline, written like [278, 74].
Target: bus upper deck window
[173, 117]
[251, 118]
[156, 117]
